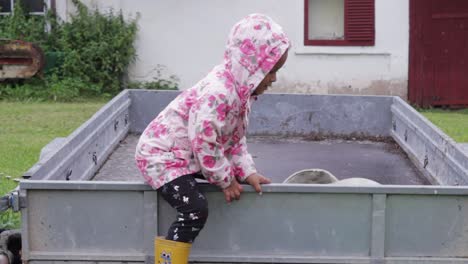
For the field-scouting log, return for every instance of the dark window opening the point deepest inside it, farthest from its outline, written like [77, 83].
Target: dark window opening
[34, 6]
[5, 6]
[30, 6]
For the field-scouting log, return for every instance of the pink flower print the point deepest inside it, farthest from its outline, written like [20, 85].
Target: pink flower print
[209, 161]
[228, 76]
[197, 144]
[178, 163]
[211, 146]
[154, 150]
[229, 80]
[222, 110]
[210, 180]
[268, 25]
[211, 100]
[189, 101]
[224, 139]
[235, 137]
[238, 171]
[268, 57]
[258, 27]
[196, 106]
[244, 91]
[247, 47]
[141, 164]
[158, 129]
[278, 37]
[236, 150]
[245, 61]
[207, 129]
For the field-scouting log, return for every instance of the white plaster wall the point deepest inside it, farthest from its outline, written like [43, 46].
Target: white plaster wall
[188, 37]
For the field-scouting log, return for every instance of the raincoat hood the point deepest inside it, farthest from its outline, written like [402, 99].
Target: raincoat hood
[255, 44]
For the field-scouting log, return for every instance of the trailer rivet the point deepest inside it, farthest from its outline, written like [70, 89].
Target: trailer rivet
[426, 161]
[95, 158]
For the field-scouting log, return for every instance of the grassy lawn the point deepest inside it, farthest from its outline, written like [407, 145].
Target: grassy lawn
[26, 128]
[454, 123]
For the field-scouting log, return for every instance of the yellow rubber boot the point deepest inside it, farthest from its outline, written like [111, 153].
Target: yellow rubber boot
[171, 252]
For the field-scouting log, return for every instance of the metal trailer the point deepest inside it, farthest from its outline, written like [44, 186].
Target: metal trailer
[83, 203]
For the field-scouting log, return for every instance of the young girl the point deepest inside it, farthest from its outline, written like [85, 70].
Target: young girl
[202, 132]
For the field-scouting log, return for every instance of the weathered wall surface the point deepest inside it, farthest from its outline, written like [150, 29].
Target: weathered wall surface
[188, 38]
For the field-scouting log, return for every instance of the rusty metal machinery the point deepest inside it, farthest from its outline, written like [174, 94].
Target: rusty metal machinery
[19, 59]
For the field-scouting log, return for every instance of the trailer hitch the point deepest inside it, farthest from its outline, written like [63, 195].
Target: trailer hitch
[11, 200]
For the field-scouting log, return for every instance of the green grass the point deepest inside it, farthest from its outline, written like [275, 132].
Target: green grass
[453, 122]
[27, 127]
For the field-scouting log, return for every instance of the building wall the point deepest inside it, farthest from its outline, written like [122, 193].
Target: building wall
[188, 37]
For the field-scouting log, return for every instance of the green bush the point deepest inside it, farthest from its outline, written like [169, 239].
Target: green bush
[91, 53]
[159, 82]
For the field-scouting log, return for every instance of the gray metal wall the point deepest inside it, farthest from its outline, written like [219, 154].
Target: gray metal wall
[431, 150]
[82, 153]
[89, 222]
[290, 114]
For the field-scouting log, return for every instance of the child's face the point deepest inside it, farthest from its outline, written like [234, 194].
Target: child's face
[271, 76]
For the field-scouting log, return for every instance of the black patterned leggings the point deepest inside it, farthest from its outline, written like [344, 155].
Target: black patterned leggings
[184, 195]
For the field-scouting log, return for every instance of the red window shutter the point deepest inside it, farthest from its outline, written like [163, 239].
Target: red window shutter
[359, 22]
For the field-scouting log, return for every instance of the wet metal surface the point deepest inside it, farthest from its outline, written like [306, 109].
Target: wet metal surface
[278, 158]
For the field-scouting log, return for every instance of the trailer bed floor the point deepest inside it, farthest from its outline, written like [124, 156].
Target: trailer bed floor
[278, 158]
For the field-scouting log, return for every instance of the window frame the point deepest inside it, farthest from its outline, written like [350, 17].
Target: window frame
[336, 42]
[48, 5]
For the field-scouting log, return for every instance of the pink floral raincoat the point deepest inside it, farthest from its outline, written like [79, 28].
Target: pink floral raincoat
[204, 128]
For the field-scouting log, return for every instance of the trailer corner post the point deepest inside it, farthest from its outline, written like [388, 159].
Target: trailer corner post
[377, 251]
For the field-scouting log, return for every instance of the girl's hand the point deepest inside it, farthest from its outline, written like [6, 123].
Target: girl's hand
[233, 191]
[256, 180]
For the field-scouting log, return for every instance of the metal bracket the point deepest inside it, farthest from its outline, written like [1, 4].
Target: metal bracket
[15, 201]
[95, 158]
[69, 173]
[426, 161]
[12, 200]
[4, 203]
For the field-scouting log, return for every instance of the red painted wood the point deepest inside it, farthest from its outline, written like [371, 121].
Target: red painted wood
[359, 27]
[438, 70]
[359, 24]
[16, 61]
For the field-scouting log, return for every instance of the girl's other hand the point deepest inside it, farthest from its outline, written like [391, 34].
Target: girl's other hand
[233, 191]
[256, 180]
